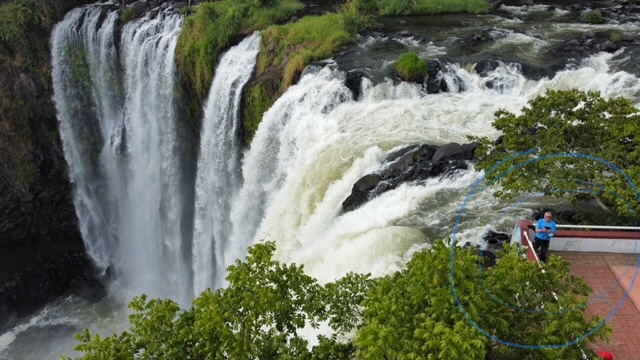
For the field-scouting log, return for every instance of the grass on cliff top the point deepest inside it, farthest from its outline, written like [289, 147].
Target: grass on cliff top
[208, 33]
[422, 7]
[294, 46]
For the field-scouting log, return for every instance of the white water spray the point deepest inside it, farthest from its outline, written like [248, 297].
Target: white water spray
[315, 157]
[219, 176]
[124, 156]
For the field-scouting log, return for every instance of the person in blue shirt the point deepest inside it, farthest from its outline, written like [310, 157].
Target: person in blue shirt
[545, 229]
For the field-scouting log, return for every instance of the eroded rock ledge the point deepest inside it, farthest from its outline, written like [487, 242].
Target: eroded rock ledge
[55, 275]
[410, 164]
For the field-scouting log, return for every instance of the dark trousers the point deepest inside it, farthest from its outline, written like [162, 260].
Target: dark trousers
[543, 246]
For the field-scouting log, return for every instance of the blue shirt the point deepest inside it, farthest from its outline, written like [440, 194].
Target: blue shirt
[542, 223]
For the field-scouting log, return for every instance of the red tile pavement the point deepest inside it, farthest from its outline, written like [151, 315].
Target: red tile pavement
[606, 275]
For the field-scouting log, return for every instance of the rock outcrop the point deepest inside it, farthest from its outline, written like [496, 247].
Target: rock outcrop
[53, 276]
[410, 164]
[36, 204]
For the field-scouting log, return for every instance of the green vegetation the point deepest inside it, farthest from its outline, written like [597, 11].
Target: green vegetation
[570, 122]
[411, 314]
[258, 316]
[20, 22]
[410, 67]
[616, 37]
[24, 30]
[288, 48]
[417, 7]
[594, 17]
[294, 46]
[187, 10]
[208, 33]
[127, 15]
[257, 102]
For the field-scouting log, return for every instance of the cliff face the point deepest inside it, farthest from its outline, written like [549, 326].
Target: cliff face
[35, 194]
[41, 250]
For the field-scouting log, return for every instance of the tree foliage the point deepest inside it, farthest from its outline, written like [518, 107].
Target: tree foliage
[411, 314]
[581, 141]
[258, 316]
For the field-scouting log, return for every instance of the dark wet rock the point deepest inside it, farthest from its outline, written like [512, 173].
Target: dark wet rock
[436, 81]
[316, 7]
[410, 164]
[496, 3]
[139, 8]
[353, 81]
[378, 26]
[87, 287]
[8, 311]
[54, 276]
[484, 67]
[527, 2]
[590, 43]
[493, 243]
[480, 38]
[455, 151]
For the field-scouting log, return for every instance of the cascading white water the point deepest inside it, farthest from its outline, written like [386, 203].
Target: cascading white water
[219, 177]
[121, 144]
[84, 65]
[152, 243]
[274, 149]
[314, 143]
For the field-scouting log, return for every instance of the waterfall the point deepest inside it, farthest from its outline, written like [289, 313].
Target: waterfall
[120, 131]
[316, 142]
[84, 65]
[274, 149]
[121, 142]
[219, 177]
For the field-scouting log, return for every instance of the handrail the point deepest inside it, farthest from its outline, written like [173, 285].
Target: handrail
[604, 227]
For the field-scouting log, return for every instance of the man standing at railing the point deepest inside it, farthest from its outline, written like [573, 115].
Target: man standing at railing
[545, 229]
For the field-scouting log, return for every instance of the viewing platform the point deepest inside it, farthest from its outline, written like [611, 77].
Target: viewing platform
[607, 259]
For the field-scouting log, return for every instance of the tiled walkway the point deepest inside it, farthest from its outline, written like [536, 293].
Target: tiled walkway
[606, 275]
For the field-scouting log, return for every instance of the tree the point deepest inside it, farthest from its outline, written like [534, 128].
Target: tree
[410, 314]
[257, 316]
[413, 313]
[583, 142]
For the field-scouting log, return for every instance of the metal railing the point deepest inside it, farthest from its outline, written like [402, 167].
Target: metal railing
[601, 227]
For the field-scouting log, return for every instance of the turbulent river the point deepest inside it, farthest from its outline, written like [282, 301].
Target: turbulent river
[167, 219]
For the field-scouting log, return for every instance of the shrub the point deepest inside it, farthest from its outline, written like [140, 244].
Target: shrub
[616, 37]
[298, 44]
[258, 101]
[127, 15]
[594, 17]
[410, 67]
[356, 15]
[207, 34]
[20, 22]
[186, 10]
